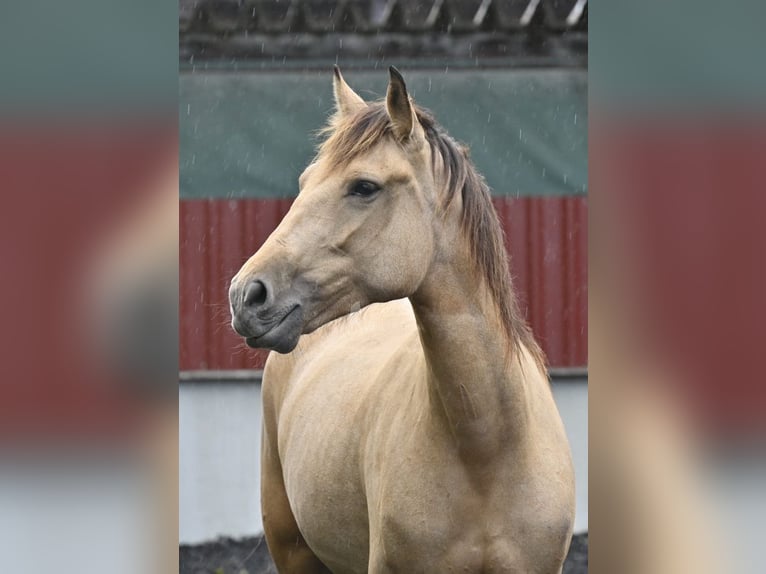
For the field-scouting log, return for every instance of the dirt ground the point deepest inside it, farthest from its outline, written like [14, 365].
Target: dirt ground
[251, 556]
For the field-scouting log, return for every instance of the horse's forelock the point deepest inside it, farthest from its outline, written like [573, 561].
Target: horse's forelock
[346, 137]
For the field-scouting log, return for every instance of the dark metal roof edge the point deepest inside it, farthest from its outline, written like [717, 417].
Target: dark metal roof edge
[269, 33]
[366, 17]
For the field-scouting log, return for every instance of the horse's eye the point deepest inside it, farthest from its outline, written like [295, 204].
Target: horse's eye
[364, 188]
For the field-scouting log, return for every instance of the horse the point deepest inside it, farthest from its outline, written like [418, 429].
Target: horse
[408, 422]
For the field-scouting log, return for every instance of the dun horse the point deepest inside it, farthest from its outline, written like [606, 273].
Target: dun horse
[418, 434]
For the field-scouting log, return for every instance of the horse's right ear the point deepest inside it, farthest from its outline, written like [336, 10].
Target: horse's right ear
[400, 108]
[347, 101]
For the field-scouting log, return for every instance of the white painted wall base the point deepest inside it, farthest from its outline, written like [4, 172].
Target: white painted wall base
[218, 471]
[572, 400]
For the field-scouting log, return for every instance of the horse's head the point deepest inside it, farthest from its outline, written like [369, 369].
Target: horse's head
[360, 231]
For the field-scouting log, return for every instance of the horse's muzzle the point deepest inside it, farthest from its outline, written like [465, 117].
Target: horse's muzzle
[264, 321]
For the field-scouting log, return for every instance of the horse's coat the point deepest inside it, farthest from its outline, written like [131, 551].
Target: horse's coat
[414, 435]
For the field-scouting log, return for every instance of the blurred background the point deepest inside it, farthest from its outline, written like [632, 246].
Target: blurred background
[88, 287]
[89, 117]
[508, 78]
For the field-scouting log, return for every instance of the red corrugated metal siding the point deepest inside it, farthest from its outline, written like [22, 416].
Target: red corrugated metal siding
[547, 241]
[546, 238]
[216, 238]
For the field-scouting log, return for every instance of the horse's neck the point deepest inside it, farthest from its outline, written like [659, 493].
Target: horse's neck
[473, 377]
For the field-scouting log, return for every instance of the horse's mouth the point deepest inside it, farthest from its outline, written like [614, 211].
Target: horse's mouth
[283, 336]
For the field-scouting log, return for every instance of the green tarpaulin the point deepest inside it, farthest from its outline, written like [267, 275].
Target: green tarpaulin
[250, 134]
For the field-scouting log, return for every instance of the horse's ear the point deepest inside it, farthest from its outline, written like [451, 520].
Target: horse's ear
[347, 101]
[399, 107]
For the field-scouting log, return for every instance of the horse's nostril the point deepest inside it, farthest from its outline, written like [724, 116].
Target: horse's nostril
[255, 294]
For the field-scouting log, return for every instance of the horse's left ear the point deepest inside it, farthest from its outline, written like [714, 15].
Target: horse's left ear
[399, 107]
[347, 101]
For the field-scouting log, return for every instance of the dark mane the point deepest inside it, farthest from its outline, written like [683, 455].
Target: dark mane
[346, 138]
